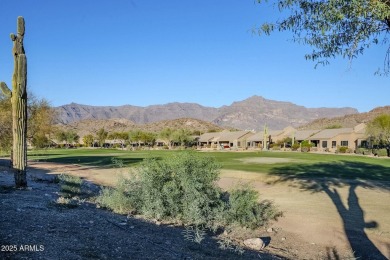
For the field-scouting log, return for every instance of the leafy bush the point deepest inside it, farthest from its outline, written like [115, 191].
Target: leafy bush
[367, 152]
[70, 185]
[342, 149]
[40, 141]
[183, 188]
[245, 210]
[120, 200]
[306, 145]
[295, 147]
[360, 150]
[380, 152]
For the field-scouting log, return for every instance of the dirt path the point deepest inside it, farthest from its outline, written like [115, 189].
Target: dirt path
[312, 219]
[314, 226]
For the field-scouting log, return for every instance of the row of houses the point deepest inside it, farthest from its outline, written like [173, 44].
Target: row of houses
[323, 140]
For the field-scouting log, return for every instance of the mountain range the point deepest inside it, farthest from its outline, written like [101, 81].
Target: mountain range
[251, 113]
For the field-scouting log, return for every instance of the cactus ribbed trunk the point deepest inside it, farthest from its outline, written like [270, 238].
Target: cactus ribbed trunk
[19, 113]
[19, 106]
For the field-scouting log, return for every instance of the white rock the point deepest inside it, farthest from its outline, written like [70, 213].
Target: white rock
[254, 243]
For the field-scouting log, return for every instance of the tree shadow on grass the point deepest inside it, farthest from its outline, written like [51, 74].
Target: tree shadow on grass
[103, 161]
[326, 177]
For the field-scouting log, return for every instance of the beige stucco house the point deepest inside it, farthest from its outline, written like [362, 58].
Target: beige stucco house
[225, 139]
[273, 136]
[331, 139]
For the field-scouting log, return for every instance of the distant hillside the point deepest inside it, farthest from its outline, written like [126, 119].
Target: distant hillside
[91, 126]
[347, 120]
[251, 113]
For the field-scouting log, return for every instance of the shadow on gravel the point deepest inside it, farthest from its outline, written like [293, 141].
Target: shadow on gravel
[34, 227]
[324, 177]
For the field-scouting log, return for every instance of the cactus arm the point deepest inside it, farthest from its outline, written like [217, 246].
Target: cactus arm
[6, 91]
[20, 26]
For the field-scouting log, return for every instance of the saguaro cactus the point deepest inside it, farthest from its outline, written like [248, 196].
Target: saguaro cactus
[265, 138]
[19, 105]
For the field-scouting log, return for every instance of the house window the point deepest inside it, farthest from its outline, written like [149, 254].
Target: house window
[324, 144]
[344, 143]
[239, 144]
[334, 144]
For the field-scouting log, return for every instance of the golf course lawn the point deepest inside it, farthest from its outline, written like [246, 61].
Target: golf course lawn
[304, 165]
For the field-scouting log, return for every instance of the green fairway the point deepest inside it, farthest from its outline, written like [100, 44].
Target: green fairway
[305, 165]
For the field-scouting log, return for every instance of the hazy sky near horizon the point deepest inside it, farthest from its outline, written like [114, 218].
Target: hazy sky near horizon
[147, 52]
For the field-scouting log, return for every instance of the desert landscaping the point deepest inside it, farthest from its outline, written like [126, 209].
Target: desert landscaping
[327, 220]
[190, 130]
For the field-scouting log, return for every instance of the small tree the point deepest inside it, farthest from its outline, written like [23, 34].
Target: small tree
[72, 137]
[148, 138]
[167, 135]
[135, 136]
[5, 123]
[88, 140]
[101, 136]
[182, 136]
[40, 120]
[69, 137]
[335, 28]
[60, 136]
[40, 140]
[379, 130]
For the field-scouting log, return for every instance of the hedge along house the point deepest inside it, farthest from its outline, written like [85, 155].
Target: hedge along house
[331, 139]
[225, 139]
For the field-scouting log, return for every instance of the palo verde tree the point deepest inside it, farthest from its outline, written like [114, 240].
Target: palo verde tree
[101, 136]
[335, 27]
[379, 130]
[5, 124]
[88, 140]
[18, 97]
[40, 120]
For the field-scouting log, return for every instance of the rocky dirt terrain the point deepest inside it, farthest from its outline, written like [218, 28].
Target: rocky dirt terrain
[35, 226]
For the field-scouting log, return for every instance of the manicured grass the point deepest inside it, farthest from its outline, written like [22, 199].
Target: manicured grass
[305, 165]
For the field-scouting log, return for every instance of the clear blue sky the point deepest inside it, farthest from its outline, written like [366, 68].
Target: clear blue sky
[145, 52]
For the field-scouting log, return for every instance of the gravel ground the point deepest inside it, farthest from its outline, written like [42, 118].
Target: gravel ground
[34, 226]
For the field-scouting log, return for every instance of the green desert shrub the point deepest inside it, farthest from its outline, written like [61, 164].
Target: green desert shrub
[182, 188]
[295, 147]
[244, 209]
[306, 146]
[122, 199]
[342, 149]
[360, 150]
[70, 185]
[380, 152]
